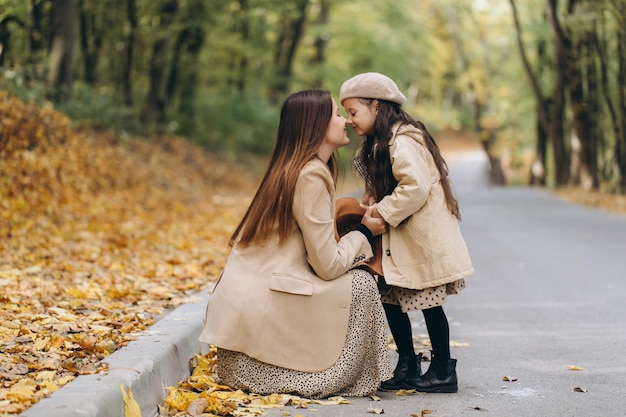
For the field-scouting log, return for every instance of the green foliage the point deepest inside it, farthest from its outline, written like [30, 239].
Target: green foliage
[383, 36]
[24, 83]
[98, 107]
[233, 122]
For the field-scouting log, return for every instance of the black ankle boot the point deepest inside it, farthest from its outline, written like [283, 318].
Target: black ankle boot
[408, 367]
[440, 377]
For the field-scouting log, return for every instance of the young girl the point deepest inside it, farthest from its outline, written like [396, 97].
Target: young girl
[290, 314]
[424, 255]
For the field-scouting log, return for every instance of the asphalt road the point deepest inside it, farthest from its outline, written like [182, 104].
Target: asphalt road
[549, 293]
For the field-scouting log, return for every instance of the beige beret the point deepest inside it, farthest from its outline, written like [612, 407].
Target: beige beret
[371, 85]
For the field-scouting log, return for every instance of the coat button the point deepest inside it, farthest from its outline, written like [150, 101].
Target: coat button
[388, 252]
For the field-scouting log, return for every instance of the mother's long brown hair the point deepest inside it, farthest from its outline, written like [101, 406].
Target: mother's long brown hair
[380, 167]
[304, 119]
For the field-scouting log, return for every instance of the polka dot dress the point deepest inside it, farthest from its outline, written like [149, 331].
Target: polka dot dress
[363, 364]
[409, 299]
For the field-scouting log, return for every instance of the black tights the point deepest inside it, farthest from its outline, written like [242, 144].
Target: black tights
[438, 331]
[436, 324]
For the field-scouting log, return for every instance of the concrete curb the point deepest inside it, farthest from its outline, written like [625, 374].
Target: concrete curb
[147, 366]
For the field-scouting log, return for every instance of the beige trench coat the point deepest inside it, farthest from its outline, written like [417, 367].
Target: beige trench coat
[424, 247]
[289, 305]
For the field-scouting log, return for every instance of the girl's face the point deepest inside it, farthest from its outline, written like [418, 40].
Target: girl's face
[336, 135]
[361, 116]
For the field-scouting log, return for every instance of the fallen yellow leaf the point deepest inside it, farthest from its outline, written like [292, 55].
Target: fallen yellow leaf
[333, 401]
[372, 410]
[131, 408]
[23, 388]
[197, 407]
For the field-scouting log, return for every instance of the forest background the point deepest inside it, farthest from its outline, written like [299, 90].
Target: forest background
[539, 83]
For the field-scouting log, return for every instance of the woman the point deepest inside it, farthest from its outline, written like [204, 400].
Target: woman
[289, 314]
[424, 255]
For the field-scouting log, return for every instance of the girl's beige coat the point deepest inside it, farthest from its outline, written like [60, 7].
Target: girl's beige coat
[288, 305]
[424, 246]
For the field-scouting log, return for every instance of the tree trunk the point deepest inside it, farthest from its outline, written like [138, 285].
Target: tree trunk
[582, 95]
[562, 46]
[538, 170]
[60, 75]
[35, 36]
[172, 79]
[590, 174]
[127, 84]
[543, 109]
[240, 82]
[321, 40]
[155, 103]
[607, 169]
[188, 45]
[286, 46]
[538, 167]
[91, 37]
[620, 141]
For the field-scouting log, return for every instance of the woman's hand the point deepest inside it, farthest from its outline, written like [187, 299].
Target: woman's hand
[373, 221]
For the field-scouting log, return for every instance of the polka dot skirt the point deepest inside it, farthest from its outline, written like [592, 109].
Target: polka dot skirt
[363, 364]
[409, 299]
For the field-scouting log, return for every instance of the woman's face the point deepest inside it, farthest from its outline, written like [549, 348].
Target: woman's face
[361, 116]
[336, 134]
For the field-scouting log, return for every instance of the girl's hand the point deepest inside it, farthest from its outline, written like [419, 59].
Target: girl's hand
[375, 224]
[368, 199]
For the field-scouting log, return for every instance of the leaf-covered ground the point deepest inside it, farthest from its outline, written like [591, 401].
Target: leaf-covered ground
[611, 203]
[99, 234]
[202, 395]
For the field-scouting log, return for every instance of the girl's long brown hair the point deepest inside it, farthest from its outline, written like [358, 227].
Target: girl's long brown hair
[304, 119]
[380, 166]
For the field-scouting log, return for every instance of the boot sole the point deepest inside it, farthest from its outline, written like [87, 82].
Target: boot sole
[391, 389]
[436, 390]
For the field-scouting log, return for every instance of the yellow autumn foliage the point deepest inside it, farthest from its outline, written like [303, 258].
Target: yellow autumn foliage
[99, 232]
[201, 394]
[131, 408]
